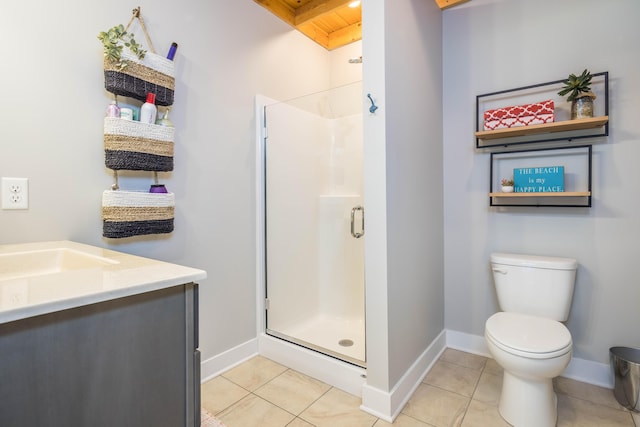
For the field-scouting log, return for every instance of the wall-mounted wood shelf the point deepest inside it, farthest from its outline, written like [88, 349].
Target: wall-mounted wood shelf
[554, 149]
[557, 194]
[562, 129]
[563, 126]
[576, 161]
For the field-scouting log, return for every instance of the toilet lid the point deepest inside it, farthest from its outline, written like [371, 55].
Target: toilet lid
[529, 336]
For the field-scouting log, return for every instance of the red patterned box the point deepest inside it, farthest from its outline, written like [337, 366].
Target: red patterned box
[519, 115]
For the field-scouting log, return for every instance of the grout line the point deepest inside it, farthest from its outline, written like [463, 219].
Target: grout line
[482, 370]
[234, 402]
[319, 397]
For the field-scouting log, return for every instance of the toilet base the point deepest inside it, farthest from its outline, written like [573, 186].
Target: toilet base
[528, 402]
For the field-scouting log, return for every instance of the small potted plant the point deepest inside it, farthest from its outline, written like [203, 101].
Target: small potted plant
[579, 90]
[507, 185]
[114, 39]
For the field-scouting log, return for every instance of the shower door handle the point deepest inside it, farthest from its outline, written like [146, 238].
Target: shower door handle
[353, 216]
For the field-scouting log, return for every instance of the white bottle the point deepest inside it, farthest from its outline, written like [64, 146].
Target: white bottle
[148, 111]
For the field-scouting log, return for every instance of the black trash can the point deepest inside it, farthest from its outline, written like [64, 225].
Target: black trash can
[625, 362]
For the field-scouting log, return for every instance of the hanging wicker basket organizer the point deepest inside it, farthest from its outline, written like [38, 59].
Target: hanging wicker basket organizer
[153, 73]
[135, 213]
[132, 145]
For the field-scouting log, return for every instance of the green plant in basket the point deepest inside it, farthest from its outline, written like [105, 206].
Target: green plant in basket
[577, 86]
[506, 182]
[114, 40]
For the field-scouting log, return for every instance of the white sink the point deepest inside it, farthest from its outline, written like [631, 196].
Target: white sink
[44, 277]
[48, 261]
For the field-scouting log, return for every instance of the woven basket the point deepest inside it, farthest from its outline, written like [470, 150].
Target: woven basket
[153, 73]
[133, 145]
[136, 213]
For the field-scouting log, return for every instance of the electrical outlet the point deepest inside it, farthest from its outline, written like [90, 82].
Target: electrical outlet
[15, 193]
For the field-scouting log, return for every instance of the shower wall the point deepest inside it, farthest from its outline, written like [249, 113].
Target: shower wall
[341, 257]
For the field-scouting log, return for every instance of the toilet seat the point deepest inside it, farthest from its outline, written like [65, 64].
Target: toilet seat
[528, 336]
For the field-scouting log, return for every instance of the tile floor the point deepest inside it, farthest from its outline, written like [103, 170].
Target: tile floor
[461, 389]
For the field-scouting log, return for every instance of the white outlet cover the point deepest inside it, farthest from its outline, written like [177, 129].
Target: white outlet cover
[15, 193]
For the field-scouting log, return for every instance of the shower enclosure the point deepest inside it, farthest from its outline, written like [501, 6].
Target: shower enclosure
[314, 222]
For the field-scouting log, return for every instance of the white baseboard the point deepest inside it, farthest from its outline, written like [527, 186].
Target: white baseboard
[579, 369]
[224, 361]
[387, 405]
[467, 342]
[589, 372]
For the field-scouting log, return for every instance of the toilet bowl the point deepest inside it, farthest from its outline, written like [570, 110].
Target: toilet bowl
[532, 350]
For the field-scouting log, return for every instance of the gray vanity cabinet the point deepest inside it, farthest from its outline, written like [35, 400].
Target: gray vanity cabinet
[127, 362]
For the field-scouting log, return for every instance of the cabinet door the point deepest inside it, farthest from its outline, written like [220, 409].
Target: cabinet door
[116, 363]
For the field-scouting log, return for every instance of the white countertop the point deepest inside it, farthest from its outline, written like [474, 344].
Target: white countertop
[40, 278]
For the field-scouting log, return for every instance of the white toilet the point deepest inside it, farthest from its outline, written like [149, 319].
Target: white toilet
[527, 338]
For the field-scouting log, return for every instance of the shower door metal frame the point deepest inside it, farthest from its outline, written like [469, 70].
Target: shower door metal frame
[263, 196]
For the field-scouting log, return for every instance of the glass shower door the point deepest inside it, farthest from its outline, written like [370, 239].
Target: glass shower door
[315, 222]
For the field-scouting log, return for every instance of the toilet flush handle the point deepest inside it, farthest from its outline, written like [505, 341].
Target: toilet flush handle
[499, 270]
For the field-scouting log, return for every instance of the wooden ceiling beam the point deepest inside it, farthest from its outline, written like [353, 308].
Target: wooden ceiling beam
[445, 4]
[316, 34]
[345, 36]
[280, 9]
[317, 8]
[327, 21]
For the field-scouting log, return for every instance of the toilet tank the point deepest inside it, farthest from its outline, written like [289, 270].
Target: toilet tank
[532, 284]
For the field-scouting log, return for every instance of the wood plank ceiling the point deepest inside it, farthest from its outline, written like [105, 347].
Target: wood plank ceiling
[330, 23]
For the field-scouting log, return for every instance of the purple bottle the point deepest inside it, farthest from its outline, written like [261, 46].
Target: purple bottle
[172, 51]
[157, 188]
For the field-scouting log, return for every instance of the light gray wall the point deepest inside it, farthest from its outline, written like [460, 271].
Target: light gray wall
[414, 180]
[53, 103]
[495, 45]
[375, 196]
[403, 185]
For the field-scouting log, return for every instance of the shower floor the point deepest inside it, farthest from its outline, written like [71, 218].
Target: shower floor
[338, 336]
